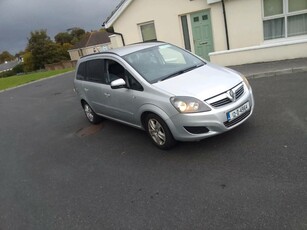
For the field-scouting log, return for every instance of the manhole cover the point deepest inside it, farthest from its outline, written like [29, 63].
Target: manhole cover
[92, 129]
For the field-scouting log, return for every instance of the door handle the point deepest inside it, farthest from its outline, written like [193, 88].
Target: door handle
[203, 43]
[107, 94]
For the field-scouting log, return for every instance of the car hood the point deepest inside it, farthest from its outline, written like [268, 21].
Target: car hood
[202, 83]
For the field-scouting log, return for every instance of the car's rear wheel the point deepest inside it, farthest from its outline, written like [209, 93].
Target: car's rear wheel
[90, 114]
[159, 132]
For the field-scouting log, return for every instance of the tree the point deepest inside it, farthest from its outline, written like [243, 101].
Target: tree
[77, 34]
[42, 48]
[28, 65]
[6, 56]
[63, 37]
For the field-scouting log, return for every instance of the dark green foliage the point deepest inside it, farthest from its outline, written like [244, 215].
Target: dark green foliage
[7, 74]
[6, 56]
[62, 38]
[18, 68]
[77, 35]
[41, 47]
[42, 50]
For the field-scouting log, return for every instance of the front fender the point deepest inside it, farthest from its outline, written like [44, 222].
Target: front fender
[150, 108]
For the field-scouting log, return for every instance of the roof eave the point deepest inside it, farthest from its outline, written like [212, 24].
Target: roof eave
[110, 21]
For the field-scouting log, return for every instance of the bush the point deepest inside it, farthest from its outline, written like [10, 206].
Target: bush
[18, 68]
[7, 74]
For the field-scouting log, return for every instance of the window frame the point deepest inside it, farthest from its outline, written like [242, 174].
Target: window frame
[283, 16]
[141, 34]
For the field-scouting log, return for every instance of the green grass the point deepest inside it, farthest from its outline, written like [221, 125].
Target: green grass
[10, 82]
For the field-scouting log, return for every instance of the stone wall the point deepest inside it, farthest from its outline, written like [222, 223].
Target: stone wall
[61, 65]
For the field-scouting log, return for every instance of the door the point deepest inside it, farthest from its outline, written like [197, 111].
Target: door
[202, 33]
[95, 86]
[123, 102]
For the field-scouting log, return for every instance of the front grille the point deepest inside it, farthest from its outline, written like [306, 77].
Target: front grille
[223, 99]
[238, 119]
[239, 92]
[222, 102]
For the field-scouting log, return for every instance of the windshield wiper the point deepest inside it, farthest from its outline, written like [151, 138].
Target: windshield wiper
[182, 71]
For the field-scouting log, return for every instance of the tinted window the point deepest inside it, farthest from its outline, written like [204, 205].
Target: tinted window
[133, 84]
[95, 71]
[115, 70]
[81, 74]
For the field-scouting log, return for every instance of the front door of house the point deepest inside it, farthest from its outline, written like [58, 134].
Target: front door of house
[202, 33]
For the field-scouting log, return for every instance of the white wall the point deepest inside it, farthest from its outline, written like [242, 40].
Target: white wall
[165, 14]
[263, 53]
[245, 28]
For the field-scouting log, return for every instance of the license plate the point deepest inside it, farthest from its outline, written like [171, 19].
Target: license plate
[238, 111]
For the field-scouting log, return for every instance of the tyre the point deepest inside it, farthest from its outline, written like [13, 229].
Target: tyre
[159, 132]
[90, 114]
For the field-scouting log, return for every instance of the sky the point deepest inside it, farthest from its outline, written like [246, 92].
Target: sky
[19, 17]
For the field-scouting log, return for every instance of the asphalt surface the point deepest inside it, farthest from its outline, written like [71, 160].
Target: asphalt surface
[59, 172]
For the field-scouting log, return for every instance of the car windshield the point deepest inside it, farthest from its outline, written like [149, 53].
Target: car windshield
[162, 62]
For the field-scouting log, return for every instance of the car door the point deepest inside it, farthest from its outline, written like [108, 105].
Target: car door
[123, 102]
[95, 86]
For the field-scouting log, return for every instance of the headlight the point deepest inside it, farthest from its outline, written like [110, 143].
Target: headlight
[189, 105]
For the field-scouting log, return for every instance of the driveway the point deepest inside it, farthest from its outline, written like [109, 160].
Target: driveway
[59, 172]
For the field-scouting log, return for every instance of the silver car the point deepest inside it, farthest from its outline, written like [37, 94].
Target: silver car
[170, 93]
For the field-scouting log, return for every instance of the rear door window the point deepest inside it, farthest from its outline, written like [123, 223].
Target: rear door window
[95, 71]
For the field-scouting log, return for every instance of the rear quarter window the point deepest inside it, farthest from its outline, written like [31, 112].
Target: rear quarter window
[81, 72]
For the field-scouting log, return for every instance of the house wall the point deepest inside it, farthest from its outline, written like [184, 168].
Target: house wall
[245, 28]
[74, 54]
[165, 16]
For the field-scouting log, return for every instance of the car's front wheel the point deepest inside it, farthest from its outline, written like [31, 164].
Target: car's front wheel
[159, 132]
[90, 114]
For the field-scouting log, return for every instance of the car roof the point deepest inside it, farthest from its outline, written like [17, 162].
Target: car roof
[122, 51]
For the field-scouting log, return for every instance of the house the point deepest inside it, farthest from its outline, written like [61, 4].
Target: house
[226, 32]
[7, 66]
[92, 42]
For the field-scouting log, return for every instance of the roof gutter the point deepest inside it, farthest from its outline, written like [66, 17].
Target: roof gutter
[111, 30]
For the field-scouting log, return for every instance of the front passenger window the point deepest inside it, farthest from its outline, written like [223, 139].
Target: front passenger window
[133, 84]
[115, 71]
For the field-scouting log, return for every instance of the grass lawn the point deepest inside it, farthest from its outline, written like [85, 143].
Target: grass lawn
[9, 82]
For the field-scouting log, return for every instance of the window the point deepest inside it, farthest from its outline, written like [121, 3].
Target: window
[133, 84]
[172, 56]
[148, 32]
[95, 71]
[284, 18]
[160, 62]
[81, 74]
[185, 29]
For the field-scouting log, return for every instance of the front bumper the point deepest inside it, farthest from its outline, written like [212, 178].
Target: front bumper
[215, 121]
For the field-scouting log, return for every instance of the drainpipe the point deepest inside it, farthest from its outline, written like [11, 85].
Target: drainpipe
[226, 27]
[111, 30]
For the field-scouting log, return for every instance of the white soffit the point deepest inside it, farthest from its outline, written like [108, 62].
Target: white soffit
[213, 1]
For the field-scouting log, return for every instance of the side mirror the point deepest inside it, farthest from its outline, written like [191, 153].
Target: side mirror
[117, 84]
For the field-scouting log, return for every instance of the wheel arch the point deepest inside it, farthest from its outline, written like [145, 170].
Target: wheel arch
[152, 109]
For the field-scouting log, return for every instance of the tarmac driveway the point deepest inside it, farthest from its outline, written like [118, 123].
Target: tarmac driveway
[59, 172]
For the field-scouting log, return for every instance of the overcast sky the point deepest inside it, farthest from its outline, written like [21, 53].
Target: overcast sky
[19, 17]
